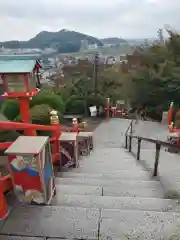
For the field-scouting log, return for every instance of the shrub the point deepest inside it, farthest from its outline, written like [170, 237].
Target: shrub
[75, 105]
[10, 108]
[49, 98]
[96, 101]
[40, 114]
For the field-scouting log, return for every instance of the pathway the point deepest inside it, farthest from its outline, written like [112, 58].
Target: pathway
[109, 196]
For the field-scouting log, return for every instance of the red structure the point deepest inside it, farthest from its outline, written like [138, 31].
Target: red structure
[75, 125]
[20, 78]
[107, 108]
[174, 132]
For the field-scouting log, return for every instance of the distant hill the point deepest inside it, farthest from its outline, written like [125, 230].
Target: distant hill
[64, 41]
[113, 40]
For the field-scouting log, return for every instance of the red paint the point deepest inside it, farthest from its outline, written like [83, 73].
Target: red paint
[20, 94]
[3, 82]
[56, 146]
[75, 127]
[25, 115]
[22, 126]
[170, 114]
[3, 205]
[5, 144]
[107, 108]
[27, 182]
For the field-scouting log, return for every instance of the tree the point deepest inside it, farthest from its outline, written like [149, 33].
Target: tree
[155, 80]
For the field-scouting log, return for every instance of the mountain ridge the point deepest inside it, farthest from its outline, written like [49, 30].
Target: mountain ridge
[63, 41]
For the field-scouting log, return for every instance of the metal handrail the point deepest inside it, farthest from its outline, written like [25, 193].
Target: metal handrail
[158, 143]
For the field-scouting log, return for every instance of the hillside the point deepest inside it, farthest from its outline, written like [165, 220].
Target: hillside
[63, 41]
[113, 40]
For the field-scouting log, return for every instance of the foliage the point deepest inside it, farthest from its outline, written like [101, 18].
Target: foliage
[8, 136]
[96, 101]
[75, 105]
[64, 41]
[110, 83]
[155, 79]
[40, 114]
[10, 108]
[49, 98]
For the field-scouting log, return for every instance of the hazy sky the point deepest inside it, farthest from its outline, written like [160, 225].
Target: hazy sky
[23, 19]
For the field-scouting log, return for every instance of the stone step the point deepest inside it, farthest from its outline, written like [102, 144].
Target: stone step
[96, 168]
[121, 191]
[8, 237]
[110, 152]
[114, 163]
[53, 222]
[112, 202]
[78, 189]
[119, 174]
[141, 225]
[108, 182]
[91, 223]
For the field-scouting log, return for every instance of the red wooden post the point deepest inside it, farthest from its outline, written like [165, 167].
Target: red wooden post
[75, 125]
[3, 205]
[113, 111]
[107, 108]
[170, 114]
[56, 134]
[25, 115]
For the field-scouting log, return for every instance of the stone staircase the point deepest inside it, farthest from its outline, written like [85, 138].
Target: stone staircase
[110, 196]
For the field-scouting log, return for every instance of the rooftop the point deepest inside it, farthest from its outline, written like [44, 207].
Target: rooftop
[17, 66]
[7, 57]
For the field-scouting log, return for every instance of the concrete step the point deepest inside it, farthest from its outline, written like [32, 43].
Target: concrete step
[112, 202]
[108, 182]
[78, 189]
[141, 225]
[112, 163]
[119, 174]
[90, 223]
[109, 152]
[6, 237]
[84, 223]
[110, 169]
[53, 222]
[121, 191]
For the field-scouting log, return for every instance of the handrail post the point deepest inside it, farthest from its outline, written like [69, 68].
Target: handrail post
[126, 141]
[130, 143]
[131, 128]
[138, 149]
[156, 163]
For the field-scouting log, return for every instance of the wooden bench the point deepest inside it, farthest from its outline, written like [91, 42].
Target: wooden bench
[69, 149]
[85, 142]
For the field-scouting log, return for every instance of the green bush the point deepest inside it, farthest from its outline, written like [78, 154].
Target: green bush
[75, 105]
[10, 108]
[8, 136]
[155, 113]
[96, 101]
[48, 97]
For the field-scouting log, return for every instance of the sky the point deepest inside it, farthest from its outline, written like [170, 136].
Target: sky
[23, 19]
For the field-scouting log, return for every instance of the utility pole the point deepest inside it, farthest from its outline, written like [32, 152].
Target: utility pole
[95, 74]
[161, 37]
